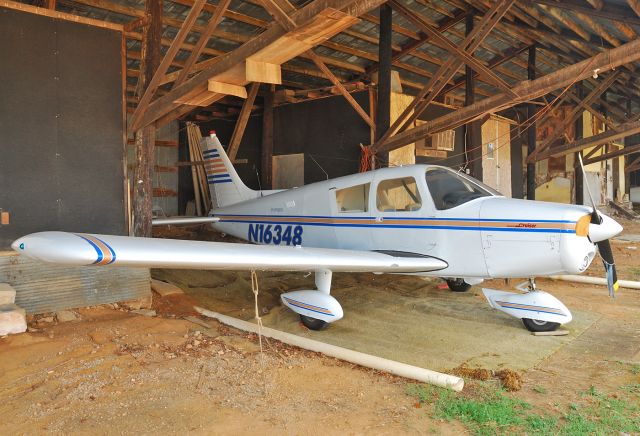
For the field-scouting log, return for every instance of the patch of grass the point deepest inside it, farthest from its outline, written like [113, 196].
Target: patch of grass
[486, 410]
[539, 389]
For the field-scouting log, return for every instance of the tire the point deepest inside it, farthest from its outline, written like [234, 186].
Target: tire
[535, 325]
[458, 285]
[313, 323]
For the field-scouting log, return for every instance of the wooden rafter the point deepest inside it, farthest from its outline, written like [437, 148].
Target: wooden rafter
[202, 42]
[446, 72]
[466, 57]
[607, 60]
[573, 115]
[619, 132]
[305, 16]
[164, 65]
[628, 149]
[354, 104]
[243, 119]
[610, 11]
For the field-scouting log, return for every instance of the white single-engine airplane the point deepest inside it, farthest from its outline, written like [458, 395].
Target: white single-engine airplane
[419, 219]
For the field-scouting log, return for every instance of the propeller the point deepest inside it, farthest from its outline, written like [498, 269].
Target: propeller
[603, 244]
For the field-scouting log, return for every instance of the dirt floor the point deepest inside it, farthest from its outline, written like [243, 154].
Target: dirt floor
[114, 371]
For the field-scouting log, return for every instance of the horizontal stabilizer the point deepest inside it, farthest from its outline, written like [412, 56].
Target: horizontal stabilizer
[184, 220]
[86, 249]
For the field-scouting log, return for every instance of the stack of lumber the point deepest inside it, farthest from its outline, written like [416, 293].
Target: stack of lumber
[200, 185]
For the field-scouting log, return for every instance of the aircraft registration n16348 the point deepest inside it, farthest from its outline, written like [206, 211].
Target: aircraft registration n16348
[418, 219]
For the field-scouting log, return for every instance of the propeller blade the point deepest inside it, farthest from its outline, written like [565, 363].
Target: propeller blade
[595, 218]
[604, 248]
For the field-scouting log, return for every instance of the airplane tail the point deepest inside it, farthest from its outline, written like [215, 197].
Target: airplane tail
[225, 185]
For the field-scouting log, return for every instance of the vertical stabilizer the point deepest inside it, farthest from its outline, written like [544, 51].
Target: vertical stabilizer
[224, 183]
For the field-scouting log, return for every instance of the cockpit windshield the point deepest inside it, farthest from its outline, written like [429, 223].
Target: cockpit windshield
[450, 189]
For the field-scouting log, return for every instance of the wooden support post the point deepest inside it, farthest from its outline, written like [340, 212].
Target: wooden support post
[383, 107]
[472, 132]
[578, 177]
[145, 138]
[532, 110]
[243, 119]
[266, 151]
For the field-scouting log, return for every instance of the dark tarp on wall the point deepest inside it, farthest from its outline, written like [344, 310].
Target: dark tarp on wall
[61, 148]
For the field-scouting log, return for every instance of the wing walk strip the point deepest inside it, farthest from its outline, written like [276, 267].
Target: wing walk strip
[540, 226]
[106, 254]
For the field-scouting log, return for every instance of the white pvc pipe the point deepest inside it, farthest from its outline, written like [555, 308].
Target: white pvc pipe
[362, 359]
[595, 281]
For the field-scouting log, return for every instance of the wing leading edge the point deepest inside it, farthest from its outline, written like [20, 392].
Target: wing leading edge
[86, 249]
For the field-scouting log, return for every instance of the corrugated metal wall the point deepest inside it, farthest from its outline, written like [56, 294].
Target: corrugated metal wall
[44, 288]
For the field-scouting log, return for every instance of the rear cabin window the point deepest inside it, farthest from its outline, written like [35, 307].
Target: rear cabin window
[398, 195]
[353, 199]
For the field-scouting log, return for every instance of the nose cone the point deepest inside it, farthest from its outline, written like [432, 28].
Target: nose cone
[608, 228]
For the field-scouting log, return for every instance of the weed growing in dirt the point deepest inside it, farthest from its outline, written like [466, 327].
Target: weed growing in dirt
[485, 410]
[540, 389]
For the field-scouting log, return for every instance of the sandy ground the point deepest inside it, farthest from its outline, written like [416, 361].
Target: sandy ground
[115, 372]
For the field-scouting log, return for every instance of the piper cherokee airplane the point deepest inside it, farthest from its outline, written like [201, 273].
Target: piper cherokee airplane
[420, 219]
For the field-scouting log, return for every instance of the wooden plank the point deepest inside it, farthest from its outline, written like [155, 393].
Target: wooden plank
[227, 88]
[60, 15]
[263, 72]
[241, 124]
[621, 152]
[327, 72]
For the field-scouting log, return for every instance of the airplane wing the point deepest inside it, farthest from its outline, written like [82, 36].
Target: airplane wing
[181, 220]
[86, 249]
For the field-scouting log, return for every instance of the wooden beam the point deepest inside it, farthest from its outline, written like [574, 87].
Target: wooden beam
[329, 75]
[532, 110]
[497, 60]
[609, 11]
[202, 41]
[627, 149]
[635, 5]
[621, 131]
[59, 15]
[227, 89]
[605, 61]
[439, 80]
[574, 114]
[152, 86]
[241, 124]
[383, 95]
[466, 57]
[302, 17]
[266, 151]
[145, 138]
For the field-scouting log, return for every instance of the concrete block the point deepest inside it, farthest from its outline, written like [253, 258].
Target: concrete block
[145, 312]
[164, 288]
[12, 319]
[65, 316]
[7, 294]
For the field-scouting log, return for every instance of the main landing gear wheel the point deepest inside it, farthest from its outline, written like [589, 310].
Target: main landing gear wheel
[536, 325]
[458, 285]
[313, 323]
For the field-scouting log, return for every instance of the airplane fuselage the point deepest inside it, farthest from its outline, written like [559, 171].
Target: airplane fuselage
[408, 209]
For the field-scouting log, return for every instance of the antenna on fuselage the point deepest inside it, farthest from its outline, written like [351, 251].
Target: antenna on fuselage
[319, 166]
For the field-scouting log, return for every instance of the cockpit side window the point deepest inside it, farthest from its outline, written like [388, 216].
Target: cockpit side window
[449, 189]
[398, 195]
[353, 198]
